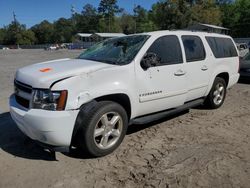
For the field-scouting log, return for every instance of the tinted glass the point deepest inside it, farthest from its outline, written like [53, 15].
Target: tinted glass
[168, 49]
[222, 47]
[194, 48]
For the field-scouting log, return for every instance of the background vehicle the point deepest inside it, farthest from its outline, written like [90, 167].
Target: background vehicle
[52, 47]
[4, 48]
[243, 49]
[245, 66]
[90, 101]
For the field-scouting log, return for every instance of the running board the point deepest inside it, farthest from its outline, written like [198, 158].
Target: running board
[156, 116]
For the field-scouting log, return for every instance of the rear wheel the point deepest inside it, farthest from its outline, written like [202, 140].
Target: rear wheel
[217, 94]
[103, 128]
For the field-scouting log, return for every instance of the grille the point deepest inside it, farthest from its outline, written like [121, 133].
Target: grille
[23, 87]
[23, 93]
[23, 102]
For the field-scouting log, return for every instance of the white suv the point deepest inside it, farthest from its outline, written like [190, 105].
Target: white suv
[90, 101]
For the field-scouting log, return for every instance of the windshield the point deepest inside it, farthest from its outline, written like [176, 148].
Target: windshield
[117, 51]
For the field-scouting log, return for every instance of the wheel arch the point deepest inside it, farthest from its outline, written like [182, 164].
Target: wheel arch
[119, 98]
[225, 76]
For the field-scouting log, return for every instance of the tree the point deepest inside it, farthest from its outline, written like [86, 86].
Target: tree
[107, 9]
[43, 32]
[16, 33]
[63, 31]
[236, 16]
[206, 12]
[87, 21]
[171, 14]
[127, 23]
[2, 35]
[142, 21]
[26, 37]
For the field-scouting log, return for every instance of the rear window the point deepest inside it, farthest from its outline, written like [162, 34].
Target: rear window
[222, 47]
[194, 48]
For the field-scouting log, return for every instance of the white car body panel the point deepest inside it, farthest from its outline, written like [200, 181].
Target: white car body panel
[149, 91]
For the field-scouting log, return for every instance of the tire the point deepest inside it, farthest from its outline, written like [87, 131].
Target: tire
[217, 94]
[98, 135]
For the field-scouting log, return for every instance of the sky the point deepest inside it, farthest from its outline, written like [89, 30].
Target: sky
[31, 12]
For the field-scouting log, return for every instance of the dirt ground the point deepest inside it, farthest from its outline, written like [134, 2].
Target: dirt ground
[199, 148]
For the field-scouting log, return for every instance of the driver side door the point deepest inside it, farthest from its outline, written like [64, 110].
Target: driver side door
[163, 85]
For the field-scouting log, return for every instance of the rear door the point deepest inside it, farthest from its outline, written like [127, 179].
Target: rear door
[197, 66]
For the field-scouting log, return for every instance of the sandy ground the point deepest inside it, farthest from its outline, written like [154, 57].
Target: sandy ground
[199, 148]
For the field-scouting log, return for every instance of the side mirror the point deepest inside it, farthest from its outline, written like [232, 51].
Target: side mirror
[150, 60]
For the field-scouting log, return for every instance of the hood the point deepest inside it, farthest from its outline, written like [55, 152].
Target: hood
[42, 75]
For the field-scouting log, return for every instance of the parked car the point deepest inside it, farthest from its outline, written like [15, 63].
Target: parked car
[88, 102]
[4, 48]
[243, 49]
[52, 47]
[245, 67]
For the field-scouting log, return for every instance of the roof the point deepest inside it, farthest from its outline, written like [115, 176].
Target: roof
[182, 32]
[107, 35]
[84, 34]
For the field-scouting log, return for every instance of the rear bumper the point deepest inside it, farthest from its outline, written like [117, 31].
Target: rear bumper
[233, 80]
[54, 128]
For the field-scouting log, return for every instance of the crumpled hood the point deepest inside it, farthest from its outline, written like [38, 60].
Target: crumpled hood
[42, 75]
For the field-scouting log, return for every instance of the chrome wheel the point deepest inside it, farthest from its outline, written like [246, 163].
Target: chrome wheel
[108, 130]
[218, 94]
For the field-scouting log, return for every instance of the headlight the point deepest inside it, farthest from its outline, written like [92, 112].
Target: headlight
[49, 100]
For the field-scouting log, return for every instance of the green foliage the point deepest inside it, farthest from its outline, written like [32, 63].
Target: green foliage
[44, 32]
[17, 34]
[88, 20]
[63, 29]
[206, 12]
[236, 16]
[2, 35]
[127, 23]
[107, 10]
[178, 14]
[142, 20]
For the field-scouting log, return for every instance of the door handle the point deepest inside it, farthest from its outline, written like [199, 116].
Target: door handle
[179, 73]
[204, 68]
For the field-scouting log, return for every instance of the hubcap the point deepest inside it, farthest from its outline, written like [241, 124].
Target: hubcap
[108, 130]
[218, 94]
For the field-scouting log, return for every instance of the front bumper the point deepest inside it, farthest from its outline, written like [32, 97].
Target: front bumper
[50, 127]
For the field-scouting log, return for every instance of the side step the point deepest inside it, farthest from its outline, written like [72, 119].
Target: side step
[159, 115]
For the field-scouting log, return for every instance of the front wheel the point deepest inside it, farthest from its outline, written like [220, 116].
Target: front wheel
[217, 94]
[103, 128]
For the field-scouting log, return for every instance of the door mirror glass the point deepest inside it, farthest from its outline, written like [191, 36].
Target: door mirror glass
[150, 60]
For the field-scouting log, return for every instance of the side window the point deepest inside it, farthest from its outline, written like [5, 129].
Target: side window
[194, 48]
[168, 49]
[222, 47]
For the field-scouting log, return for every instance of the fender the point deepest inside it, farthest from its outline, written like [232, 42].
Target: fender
[217, 71]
